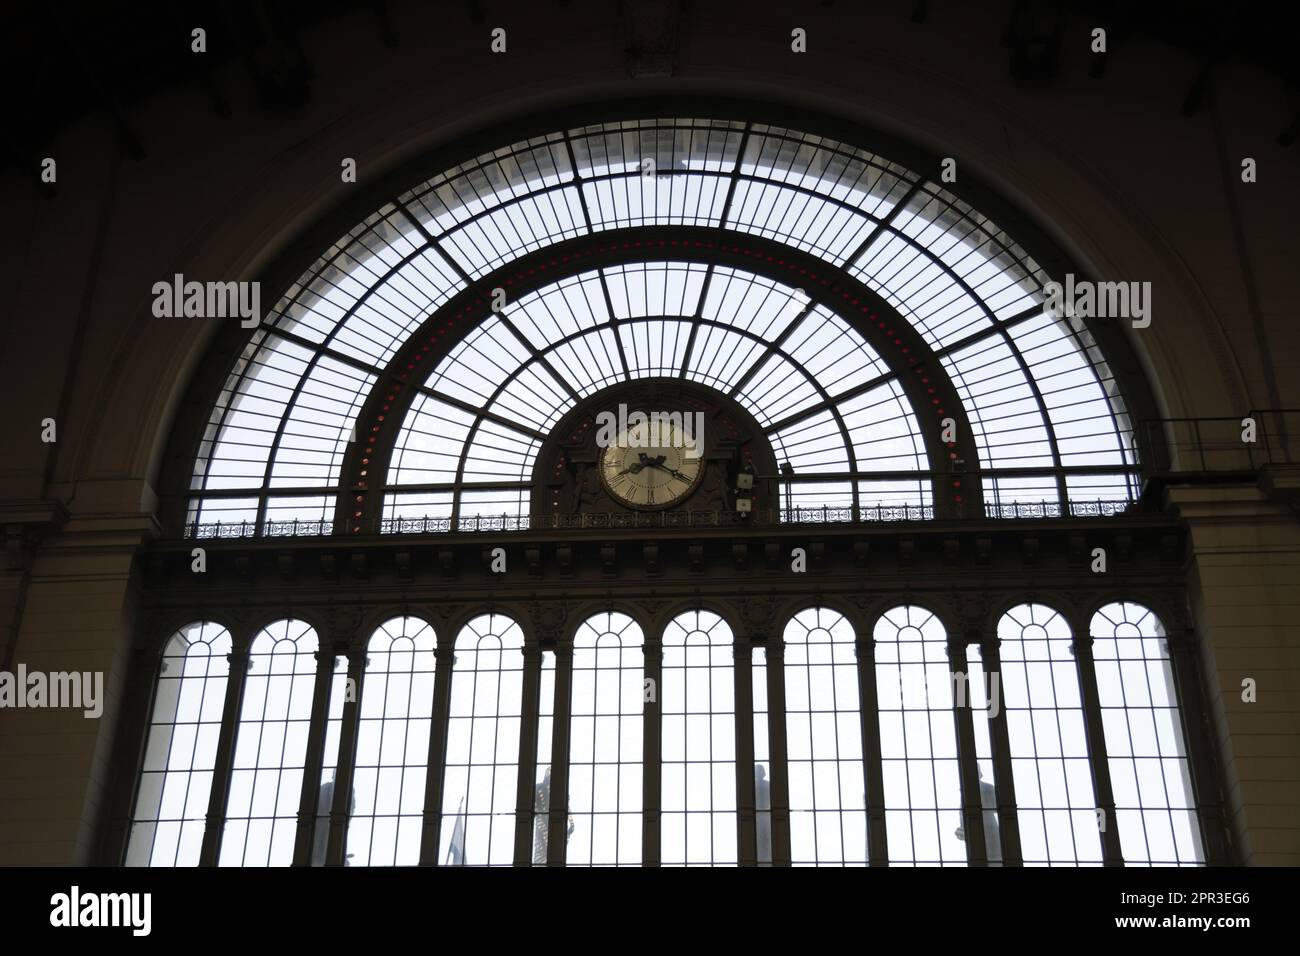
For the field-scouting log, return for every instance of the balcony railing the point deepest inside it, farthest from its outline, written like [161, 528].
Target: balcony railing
[1236, 443]
[299, 528]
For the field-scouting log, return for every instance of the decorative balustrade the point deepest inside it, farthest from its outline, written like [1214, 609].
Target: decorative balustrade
[825, 515]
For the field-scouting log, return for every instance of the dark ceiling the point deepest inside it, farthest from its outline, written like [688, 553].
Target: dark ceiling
[69, 59]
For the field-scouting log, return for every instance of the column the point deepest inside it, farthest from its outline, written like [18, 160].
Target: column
[777, 742]
[430, 839]
[341, 810]
[972, 809]
[873, 769]
[746, 818]
[652, 752]
[1000, 743]
[528, 720]
[557, 835]
[238, 657]
[310, 795]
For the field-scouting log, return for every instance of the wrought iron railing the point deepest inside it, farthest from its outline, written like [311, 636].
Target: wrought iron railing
[299, 528]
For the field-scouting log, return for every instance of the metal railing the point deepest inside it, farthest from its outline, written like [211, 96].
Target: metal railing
[1220, 444]
[826, 515]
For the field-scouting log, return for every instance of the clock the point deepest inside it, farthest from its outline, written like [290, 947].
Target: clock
[652, 467]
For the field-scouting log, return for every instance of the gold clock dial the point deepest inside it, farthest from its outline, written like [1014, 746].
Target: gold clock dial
[639, 474]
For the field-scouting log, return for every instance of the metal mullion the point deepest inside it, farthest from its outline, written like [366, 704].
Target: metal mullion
[773, 347]
[529, 721]
[561, 730]
[225, 755]
[613, 323]
[989, 331]
[652, 752]
[1094, 728]
[883, 224]
[341, 807]
[872, 763]
[482, 412]
[777, 749]
[435, 773]
[744, 718]
[696, 319]
[967, 762]
[467, 486]
[834, 400]
[1000, 745]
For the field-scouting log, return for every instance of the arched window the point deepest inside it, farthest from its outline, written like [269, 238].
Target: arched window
[482, 766]
[387, 815]
[1057, 809]
[271, 747]
[918, 739]
[828, 819]
[699, 742]
[920, 277]
[1146, 750]
[171, 804]
[605, 737]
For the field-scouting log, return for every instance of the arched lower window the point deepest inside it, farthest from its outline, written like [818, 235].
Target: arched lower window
[387, 815]
[605, 737]
[918, 739]
[171, 805]
[482, 768]
[1057, 809]
[699, 742]
[828, 819]
[1145, 747]
[271, 747]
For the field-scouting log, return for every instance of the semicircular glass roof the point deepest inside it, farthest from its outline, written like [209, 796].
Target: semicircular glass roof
[1047, 421]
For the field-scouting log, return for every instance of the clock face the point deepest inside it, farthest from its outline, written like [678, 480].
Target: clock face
[640, 474]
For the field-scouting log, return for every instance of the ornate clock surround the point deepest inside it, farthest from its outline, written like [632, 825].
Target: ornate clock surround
[566, 479]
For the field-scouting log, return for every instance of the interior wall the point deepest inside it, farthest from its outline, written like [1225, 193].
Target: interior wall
[1109, 167]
